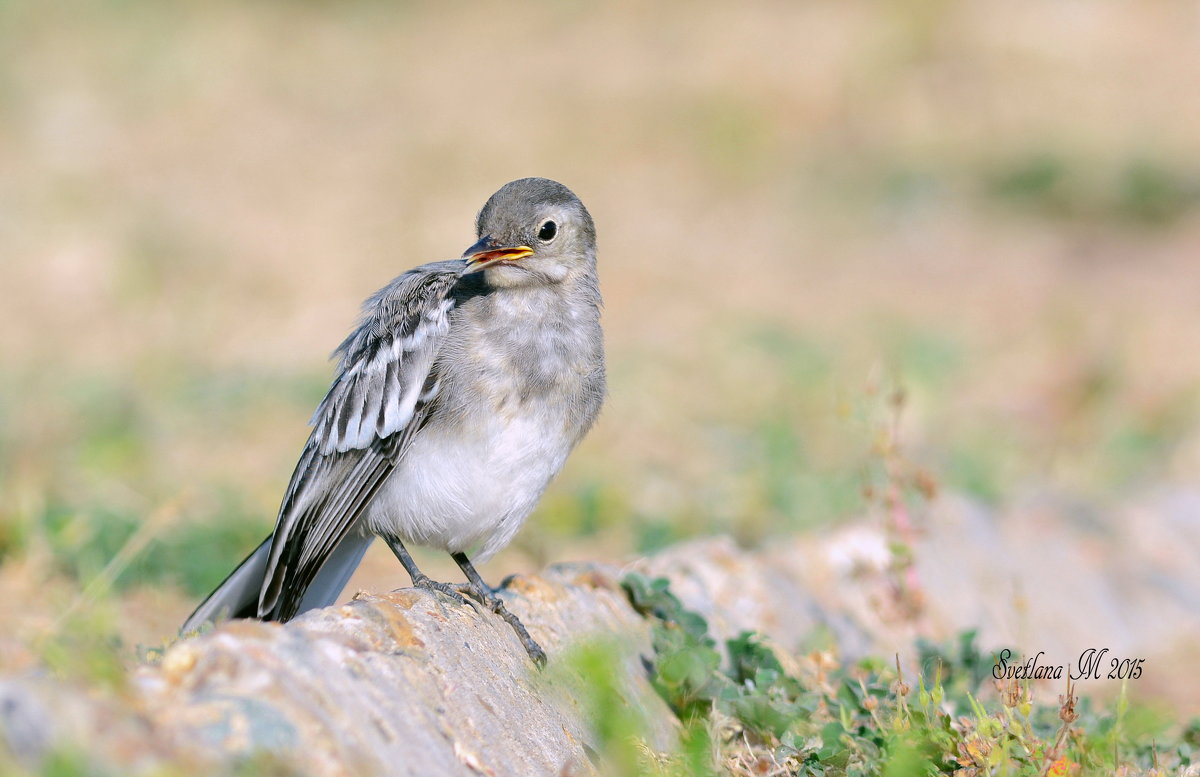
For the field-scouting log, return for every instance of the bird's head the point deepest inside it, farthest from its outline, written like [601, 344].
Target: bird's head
[533, 231]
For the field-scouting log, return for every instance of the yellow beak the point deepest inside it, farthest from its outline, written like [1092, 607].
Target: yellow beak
[486, 253]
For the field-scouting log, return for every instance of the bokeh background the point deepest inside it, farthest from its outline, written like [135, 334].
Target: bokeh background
[847, 249]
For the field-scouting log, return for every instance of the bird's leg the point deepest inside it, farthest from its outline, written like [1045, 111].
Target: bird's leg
[419, 578]
[483, 593]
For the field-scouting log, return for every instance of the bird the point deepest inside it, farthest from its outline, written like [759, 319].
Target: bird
[457, 399]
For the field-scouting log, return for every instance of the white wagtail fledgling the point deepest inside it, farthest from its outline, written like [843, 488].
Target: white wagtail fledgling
[457, 399]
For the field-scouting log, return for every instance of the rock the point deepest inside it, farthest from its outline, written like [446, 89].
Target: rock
[403, 683]
[412, 683]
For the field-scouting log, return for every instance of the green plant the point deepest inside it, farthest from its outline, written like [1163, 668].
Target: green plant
[761, 712]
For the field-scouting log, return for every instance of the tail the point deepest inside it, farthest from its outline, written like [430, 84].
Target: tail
[237, 597]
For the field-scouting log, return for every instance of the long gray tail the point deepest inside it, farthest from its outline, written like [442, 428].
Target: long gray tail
[237, 597]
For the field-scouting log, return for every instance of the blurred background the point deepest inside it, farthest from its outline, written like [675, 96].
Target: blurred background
[851, 253]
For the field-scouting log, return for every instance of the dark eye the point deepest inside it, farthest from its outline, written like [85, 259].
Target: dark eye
[547, 232]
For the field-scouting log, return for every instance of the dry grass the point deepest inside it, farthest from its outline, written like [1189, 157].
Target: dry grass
[798, 203]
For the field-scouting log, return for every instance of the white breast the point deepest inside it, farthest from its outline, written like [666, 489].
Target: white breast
[456, 488]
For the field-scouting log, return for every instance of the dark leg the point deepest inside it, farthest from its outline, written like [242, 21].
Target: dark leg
[419, 578]
[482, 593]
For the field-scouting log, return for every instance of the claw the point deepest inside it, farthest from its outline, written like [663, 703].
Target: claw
[473, 593]
[423, 581]
[487, 597]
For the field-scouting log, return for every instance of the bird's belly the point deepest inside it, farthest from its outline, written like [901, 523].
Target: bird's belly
[458, 488]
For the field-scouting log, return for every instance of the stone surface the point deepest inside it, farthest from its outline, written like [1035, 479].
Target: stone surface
[404, 683]
[410, 683]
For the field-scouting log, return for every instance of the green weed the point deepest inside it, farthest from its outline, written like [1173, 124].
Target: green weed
[814, 715]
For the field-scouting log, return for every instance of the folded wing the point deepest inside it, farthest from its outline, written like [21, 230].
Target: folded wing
[385, 383]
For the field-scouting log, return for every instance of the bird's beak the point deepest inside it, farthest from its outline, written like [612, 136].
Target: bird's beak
[488, 252]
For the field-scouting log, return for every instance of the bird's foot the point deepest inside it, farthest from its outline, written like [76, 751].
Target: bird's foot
[487, 597]
[429, 584]
[484, 596]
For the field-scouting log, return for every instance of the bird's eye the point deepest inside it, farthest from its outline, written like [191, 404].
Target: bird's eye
[547, 231]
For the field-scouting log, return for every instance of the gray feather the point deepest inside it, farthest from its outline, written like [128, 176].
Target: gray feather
[328, 584]
[237, 597]
[360, 429]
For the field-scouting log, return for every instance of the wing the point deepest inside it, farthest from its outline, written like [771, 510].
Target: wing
[378, 400]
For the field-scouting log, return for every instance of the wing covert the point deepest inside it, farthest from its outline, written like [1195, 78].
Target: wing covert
[385, 361]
